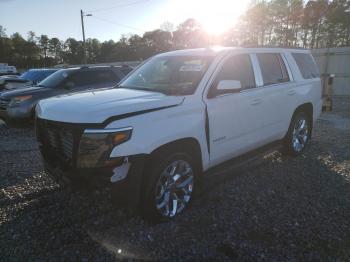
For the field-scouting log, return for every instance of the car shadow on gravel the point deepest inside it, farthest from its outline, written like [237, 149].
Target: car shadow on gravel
[280, 208]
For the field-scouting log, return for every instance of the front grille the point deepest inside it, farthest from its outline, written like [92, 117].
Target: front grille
[59, 142]
[67, 143]
[4, 103]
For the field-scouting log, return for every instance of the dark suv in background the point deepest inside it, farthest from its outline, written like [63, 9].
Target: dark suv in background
[27, 79]
[19, 105]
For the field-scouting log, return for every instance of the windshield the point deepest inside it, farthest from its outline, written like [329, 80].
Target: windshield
[56, 78]
[172, 75]
[36, 75]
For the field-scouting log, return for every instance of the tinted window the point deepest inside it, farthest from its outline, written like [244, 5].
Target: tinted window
[106, 76]
[81, 78]
[237, 68]
[272, 68]
[306, 64]
[126, 70]
[90, 77]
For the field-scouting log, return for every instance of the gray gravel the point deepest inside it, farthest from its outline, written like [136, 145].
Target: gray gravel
[278, 208]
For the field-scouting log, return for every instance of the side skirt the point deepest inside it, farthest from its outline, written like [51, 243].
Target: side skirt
[243, 160]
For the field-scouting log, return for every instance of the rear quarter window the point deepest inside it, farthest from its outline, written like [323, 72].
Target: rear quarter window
[272, 68]
[307, 65]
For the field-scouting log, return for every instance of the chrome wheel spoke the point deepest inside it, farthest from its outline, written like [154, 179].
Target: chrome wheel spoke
[185, 183]
[165, 201]
[166, 213]
[174, 188]
[173, 170]
[176, 177]
[174, 209]
[300, 135]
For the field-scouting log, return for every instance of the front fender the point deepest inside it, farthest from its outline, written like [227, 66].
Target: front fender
[152, 130]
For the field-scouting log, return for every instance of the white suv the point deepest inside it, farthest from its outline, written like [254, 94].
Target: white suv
[178, 115]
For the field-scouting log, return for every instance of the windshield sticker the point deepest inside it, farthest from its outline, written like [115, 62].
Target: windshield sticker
[191, 68]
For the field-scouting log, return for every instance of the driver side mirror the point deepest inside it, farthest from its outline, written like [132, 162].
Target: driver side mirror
[229, 86]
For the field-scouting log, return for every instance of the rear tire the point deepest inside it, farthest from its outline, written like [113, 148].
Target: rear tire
[298, 135]
[169, 186]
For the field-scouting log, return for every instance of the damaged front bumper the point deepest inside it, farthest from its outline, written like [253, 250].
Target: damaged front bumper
[97, 176]
[79, 155]
[125, 180]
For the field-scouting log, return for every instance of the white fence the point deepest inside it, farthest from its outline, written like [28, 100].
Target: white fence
[335, 61]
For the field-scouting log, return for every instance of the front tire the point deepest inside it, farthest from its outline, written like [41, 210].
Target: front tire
[169, 186]
[298, 135]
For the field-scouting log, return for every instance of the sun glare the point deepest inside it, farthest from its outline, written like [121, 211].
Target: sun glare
[220, 15]
[215, 16]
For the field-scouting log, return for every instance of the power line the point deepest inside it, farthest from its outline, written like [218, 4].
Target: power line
[117, 6]
[118, 24]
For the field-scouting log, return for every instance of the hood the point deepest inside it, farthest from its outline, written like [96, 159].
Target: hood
[24, 91]
[98, 106]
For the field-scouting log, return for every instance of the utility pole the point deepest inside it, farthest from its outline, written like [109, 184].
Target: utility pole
[83, 30]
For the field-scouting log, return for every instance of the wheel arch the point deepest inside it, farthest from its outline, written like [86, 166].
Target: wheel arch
[187, 145]
[306, 108]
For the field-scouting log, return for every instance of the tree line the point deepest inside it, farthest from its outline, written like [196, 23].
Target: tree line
[311, 24]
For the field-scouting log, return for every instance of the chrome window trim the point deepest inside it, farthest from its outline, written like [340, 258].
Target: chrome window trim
[107, 130]
[277, 84]
[286, 64]
[257, 71]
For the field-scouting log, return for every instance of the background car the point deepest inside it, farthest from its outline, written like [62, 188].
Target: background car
[19, 105]
[28, 78]
[5, 69]
[9, 74]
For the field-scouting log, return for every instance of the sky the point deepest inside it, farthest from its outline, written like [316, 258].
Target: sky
[112, 18]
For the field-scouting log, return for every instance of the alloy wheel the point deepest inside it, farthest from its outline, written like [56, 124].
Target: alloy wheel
[174, 188]
[300, 134]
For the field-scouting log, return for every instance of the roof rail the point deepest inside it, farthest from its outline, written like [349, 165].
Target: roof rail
[274, 46]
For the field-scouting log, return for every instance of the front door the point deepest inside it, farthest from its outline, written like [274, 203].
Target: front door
[234, 118]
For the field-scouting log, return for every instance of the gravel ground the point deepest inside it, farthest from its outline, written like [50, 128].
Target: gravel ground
[278, 208]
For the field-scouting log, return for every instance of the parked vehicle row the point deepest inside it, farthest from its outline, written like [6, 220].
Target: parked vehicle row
[176, 117]
[19, 105]
[28, 78]
[5, 69]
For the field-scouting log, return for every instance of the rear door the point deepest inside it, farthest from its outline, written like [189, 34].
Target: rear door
[278, 90]
[234, 119]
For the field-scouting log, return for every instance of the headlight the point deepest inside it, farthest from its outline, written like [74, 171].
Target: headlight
[97, 144]
[19, 99]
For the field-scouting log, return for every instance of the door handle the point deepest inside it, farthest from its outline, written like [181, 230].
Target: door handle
[256, 101]
[291, 92]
